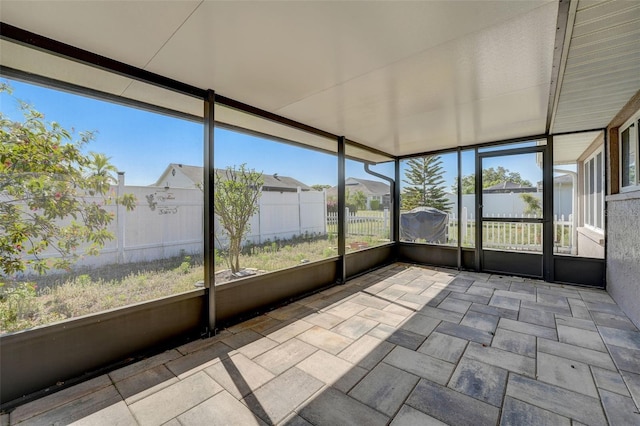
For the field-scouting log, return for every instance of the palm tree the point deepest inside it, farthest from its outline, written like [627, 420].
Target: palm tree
[101, 172]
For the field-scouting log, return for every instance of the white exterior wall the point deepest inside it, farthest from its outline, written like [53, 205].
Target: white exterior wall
[563, 200]
[180, 180]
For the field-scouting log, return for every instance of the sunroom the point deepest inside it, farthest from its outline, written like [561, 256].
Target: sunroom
[490, 141]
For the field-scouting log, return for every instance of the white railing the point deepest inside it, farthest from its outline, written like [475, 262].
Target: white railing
[564, 235]
[515, 235]
[519, 236]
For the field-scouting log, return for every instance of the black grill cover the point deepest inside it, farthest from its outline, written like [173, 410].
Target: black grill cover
[424, 223]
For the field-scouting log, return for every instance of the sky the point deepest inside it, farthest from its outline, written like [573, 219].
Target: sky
[143, 144]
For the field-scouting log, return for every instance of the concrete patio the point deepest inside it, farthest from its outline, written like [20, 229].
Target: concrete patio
[403, 345]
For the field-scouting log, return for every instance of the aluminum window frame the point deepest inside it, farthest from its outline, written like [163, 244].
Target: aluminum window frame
[633, 126]
[593, 210]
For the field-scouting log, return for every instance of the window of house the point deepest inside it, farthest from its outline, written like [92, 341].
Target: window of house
[629, 152]
[594, 191]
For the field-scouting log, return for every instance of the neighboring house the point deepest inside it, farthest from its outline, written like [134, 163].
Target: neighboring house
[563, 197]
[183, 176]
[507, 188]
[373, 190]
[504, 199]
[180, 176]
[277, 183]
[287, 207]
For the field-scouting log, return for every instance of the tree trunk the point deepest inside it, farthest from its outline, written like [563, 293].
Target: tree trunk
[235, 254]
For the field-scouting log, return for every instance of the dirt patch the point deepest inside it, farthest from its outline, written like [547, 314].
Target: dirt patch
[358, 245]
[226, 275]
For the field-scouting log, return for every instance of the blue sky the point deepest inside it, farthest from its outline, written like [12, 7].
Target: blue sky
[142, 143]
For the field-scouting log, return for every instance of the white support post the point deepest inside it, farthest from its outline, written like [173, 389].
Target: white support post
[462, 221]
[385, 218]
[299, 191]
[324, 210]
[120, 219]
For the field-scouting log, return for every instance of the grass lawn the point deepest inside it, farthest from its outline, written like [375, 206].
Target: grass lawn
[47, 299]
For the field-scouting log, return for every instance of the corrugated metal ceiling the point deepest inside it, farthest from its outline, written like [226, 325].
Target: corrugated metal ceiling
[602, 66]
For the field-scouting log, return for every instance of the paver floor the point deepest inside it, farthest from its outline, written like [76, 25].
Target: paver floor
[403, 345]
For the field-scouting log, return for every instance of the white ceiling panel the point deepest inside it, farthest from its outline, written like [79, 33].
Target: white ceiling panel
[272, 54]
[128, 31]
[602, 65]
[40, 63]
[568, 148]
[459, 93]
[240, 119]
[22, 58]
[164, 98]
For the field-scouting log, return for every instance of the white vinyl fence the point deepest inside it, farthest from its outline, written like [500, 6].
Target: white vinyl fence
[168, 222]
[283, 215]
[369, 223]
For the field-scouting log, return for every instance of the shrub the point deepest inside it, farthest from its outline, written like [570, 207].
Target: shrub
[185, 266]
[328, 252]
[17, 305]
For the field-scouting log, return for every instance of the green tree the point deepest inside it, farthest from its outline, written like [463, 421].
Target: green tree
[534, 205]
[102, 171]
[491, 177]
[425, 181]
[356, 200]
[236, 200]
[320, 187]
[52, 196]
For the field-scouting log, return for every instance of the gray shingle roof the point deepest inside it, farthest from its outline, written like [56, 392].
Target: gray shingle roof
[368, 187]
[271, 182]
[509, 186]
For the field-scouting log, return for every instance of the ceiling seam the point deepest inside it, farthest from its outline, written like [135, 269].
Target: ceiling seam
[144, 67]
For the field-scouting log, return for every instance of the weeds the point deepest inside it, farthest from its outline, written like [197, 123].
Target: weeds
[42, 300]
[185, 266]
[23, 305]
